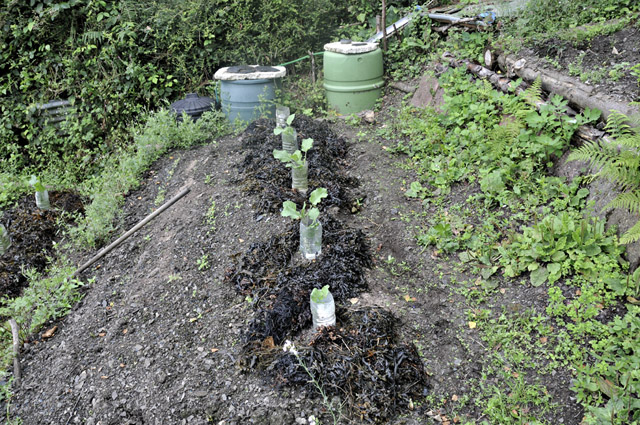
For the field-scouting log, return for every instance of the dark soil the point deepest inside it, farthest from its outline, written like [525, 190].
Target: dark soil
[33, 232]
[599, 58]
[185, 320]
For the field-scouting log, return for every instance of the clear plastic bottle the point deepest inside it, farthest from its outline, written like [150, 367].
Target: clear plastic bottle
[289, 140]
[282, 113]
[323, 312]
[5, 241]
[42, 200]
[310, 238]
[299, 178]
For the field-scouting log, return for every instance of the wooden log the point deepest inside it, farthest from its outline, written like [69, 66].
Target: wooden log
[583, 134]
[501, 82]
[403, 87]
[578, 94]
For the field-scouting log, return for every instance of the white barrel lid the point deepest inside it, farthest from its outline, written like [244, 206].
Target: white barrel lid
[230, 73]
[348, 47]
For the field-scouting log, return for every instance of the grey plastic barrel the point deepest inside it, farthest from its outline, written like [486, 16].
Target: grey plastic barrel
[247, 100]
[246, 96]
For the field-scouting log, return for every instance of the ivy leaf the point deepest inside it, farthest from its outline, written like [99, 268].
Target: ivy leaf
[539, 276]
[317, 195]
[278, 130]
[289, 210]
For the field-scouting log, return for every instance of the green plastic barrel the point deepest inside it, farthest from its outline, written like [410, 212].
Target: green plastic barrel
[244, 96]
[352, 76]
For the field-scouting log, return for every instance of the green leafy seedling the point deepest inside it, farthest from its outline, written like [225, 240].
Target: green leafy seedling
[317, 295]
[37, 184]
[289, 209]
[278, 130]
[296, 159]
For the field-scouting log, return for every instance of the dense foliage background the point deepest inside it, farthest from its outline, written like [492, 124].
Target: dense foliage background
[116, 59]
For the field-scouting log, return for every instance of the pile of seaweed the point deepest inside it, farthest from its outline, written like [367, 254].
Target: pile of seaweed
[32, 232]
[280, 288]
[360, 361]
[265, 176]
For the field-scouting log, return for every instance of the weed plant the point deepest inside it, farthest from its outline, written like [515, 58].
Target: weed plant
[521, 227]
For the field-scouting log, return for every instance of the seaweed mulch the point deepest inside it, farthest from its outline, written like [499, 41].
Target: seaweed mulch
[33, 232]
[360, 359]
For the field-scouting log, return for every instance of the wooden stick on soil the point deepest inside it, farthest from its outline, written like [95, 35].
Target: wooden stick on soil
[131, 232]
[17, 373]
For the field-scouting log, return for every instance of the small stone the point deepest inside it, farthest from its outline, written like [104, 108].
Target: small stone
[223, 397]
[301, 421]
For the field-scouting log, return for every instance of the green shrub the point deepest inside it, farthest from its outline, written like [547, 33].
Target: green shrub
[115, 60]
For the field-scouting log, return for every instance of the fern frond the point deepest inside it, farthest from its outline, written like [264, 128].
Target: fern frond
[621, 167]
[631, 140]
[533, 94]
[617, 124]
[629, 201]
[631, 235]
[94, 37]
[596, 154]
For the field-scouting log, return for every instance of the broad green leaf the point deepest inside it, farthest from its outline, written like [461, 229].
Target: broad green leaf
[37, 185]
[313, 214]
[558, 256]
[488, 272]
[290, 119]
[414, 190]
[592, 249]
[306, 144]
[278, 130]
[289, 210]
[317, 195]
[282, 155]
[554, 272]
[492, 182]
[539, 276]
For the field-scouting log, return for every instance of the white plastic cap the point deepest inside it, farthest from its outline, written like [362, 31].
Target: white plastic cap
[348, 47]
